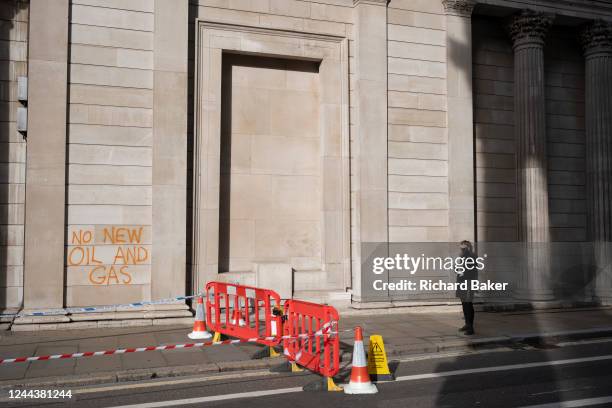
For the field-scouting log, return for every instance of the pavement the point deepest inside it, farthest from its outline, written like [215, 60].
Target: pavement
[405, 334]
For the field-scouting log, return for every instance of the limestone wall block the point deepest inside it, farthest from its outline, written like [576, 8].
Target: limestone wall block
[112, 155]
[418, 201]
[416, 18]
[425, 151]
[111, 37]
[111, 76]
[109, 214]
[418, 218]
[109, 174]
[110, 17]
[418, 184]
[418, 234]
[135, 5]
[413, 167]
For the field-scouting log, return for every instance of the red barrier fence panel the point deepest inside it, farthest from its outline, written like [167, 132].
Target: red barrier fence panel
[314, 330]
[242, 311]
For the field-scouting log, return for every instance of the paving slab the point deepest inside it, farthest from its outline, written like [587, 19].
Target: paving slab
[226, 353]
[100, 363]
[150, 359]
[185, 357]
[52, 367]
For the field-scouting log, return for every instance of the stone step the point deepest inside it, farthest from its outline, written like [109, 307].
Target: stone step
[99, 324]
[308, 281]
[339, 299]
[246, 278]
[303, 280]
[148, 316]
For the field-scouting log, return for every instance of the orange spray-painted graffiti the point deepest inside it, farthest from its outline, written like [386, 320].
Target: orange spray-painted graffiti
[128, 249]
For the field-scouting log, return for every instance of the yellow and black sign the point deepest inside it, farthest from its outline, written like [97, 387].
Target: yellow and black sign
[378, 367]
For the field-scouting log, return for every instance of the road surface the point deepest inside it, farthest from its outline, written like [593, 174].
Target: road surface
[577, 373]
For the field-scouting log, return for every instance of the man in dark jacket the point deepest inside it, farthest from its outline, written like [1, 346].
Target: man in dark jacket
[467, 273]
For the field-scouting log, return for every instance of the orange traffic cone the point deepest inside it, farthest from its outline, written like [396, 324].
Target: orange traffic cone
[237, 318]
[360, 379]
[199, 325]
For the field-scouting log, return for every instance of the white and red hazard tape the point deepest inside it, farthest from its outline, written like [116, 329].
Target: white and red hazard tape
[96, 309]
[156, 348]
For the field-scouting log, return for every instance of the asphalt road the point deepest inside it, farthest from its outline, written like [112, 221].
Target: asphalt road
[578, 373]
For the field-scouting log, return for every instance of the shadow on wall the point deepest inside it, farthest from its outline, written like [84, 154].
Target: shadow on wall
[494, 140]
[225, 186]
[494, 190]
[9, 166]
[192, 15]
[572, 273]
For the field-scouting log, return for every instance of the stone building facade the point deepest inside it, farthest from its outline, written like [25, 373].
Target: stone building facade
[174, 142]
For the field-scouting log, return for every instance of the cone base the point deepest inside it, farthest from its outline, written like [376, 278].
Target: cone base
[360, 388]
[199, 335]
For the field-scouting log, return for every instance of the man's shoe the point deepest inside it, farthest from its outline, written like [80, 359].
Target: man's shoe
[469, 331]
[464, 328]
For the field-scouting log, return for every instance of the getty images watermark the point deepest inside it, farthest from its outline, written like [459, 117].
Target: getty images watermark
[406, 264]
[499, 271]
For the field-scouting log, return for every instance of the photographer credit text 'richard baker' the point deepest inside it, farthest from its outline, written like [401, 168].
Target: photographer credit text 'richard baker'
[412, 265]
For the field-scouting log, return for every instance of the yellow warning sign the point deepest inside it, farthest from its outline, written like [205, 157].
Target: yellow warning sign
[378, 366]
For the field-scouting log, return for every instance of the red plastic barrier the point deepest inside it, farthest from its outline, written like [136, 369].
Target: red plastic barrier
[241, 311]
[319, 347]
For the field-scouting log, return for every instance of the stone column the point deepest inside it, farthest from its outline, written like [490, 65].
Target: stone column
[460, 119]
[370, 147]
[528, 30]
[169, 149]
[169, 221]
[46, 155]
[597, 42]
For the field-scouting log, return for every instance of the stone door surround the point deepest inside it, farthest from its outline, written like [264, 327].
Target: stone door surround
[212, 40]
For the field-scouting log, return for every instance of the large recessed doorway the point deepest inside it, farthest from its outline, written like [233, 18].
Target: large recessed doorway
[271, 156]
[270, 205]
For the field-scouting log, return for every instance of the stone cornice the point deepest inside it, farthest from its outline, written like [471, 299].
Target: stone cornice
[372, 2]
[596, 37]
[461, 8]
[529, 27]
[584, 9]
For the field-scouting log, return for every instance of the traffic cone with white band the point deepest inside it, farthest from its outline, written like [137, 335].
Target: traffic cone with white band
[237, 318]
[199, 325]
[360, 379]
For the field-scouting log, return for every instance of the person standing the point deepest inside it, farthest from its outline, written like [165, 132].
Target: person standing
[467, 274]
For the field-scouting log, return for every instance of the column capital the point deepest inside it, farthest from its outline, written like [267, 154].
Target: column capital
[529, 27]
[596, 37]
[461, 8]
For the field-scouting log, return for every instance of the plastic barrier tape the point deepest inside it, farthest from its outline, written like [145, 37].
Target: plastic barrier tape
[149, 348]
[92, 309]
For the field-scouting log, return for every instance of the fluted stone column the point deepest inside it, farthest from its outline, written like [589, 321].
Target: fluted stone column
[597, 42]
[460, 119]
[528, 31]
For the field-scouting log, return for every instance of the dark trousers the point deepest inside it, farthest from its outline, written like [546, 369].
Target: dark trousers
[468, 313]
